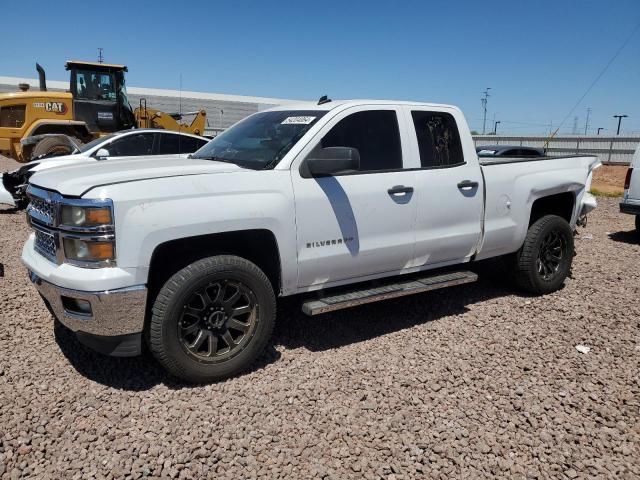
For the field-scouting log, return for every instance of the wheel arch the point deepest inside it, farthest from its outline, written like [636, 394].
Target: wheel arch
[259, 246]
[561, 204]
[64, 127]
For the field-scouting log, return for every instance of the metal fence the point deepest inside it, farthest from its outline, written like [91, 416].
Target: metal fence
[615, 150]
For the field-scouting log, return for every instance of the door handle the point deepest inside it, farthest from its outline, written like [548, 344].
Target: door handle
[467, 184]
[399, 189]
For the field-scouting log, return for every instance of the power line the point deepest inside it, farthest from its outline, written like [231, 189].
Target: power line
[606, 67]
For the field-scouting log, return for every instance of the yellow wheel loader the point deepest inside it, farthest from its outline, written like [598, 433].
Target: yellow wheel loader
[35, 124]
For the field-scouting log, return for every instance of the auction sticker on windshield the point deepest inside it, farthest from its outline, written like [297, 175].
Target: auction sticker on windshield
[298, 120]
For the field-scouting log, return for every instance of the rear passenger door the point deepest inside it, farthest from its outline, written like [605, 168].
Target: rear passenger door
[173, 144]
[449, 187]
[356, 224]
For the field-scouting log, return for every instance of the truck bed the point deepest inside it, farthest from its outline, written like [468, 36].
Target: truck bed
[513, 183]
[488, 161]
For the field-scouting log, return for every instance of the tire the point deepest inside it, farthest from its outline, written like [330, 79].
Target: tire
[638, 225]
[197, 302]
[536, 269]
[52, 147]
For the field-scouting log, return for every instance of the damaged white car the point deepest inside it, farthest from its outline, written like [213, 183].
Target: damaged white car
[127, 143]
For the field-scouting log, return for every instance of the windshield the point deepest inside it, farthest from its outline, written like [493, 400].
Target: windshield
[88, 146]
[92, 85]
[261, 140]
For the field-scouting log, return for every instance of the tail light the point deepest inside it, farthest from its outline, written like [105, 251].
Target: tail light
[627, 179]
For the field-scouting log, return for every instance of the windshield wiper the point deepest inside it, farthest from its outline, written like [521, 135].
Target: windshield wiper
[213, 158]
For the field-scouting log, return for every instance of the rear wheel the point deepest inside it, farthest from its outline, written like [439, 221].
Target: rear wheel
[212, 319]
[544, 261]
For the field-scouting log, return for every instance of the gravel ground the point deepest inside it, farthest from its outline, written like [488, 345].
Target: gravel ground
[469, 382]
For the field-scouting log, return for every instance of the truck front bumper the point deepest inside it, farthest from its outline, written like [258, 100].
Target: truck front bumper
[110, 322]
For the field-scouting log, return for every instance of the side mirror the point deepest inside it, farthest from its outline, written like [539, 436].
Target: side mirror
[331, 160]
[102, 153]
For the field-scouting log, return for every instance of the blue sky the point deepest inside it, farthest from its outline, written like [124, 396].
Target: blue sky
[537, 56]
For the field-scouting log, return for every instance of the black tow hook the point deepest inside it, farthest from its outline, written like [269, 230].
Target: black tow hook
[582, 221]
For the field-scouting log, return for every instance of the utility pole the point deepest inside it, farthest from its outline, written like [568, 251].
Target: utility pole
[575, 126]
[495, 127]
[586, 123]
[484, 107]
[100, 57]
[600, 128]
[619, 117]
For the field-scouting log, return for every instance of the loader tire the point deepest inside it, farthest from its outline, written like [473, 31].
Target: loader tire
[52, 147]
[544, 261]
[212, 319]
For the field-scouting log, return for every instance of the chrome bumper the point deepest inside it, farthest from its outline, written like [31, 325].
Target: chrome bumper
[113, 313]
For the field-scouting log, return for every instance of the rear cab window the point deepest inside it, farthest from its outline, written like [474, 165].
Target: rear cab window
[438, 139]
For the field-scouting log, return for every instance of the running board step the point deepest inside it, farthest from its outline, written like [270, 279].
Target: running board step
[385, 292]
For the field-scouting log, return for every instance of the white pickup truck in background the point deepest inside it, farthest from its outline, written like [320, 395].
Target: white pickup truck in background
[631, 198]
[191, 254]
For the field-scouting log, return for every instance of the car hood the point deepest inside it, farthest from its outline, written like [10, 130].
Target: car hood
[78, 179]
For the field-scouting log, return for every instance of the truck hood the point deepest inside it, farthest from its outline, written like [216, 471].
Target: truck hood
[78, 179]
[75, 158]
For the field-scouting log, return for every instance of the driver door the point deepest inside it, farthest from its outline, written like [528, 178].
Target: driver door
[356, 224]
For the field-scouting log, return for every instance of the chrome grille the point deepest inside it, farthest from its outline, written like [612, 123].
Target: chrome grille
[45, 244]
[42, 210]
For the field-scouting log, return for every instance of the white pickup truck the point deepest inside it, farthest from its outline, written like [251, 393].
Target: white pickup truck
[631, 198]
[316, 200]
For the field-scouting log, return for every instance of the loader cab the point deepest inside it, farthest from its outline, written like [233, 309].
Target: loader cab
[100, 96]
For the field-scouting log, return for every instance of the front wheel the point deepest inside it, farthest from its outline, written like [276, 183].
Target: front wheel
[544, 261]
[212, 319]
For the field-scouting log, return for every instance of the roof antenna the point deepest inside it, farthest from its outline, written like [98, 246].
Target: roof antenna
[323, 99]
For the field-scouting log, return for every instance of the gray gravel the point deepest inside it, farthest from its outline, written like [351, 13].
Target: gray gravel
[469, 382]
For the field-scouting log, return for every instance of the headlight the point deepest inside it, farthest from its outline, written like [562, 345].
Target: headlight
[75, 216]
[87, 233]
[89, 250]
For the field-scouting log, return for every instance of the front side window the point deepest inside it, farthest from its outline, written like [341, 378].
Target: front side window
[261, 140]
[131, 145]
[438, 139]
[95, 86]
[88, 146]
[376, 136]
[12, 116]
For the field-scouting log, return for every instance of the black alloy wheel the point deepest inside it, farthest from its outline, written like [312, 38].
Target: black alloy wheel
[212, 319]
[217, 320]
[544, 260]
[552, 251]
